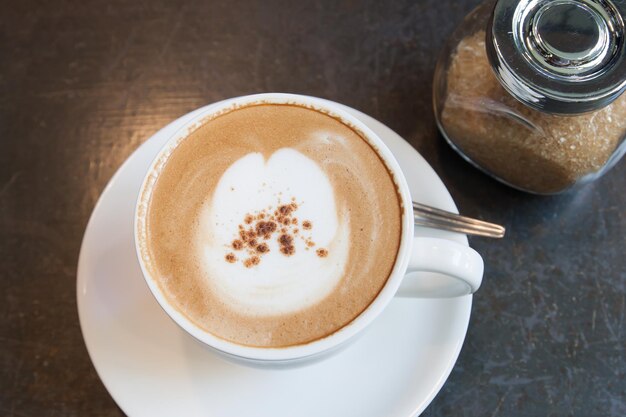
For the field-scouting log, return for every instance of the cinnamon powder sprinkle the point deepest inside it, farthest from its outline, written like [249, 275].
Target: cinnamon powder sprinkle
[265, 229]
[287, 250]
[322, 253]
[285, 210]
[286, 244]
[285, 240]
[250, 262]
[263, 225]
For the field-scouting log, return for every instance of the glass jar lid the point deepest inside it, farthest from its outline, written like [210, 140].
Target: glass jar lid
[559, 56]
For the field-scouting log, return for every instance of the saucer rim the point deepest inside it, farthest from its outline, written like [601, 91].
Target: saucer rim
[366, 119]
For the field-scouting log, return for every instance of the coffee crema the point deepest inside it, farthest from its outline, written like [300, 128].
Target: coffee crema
[270, 225]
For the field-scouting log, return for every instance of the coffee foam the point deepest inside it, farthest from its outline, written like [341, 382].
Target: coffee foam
[277, 285]
[255, 158]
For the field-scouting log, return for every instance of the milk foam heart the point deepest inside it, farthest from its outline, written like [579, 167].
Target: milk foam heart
[278, 284]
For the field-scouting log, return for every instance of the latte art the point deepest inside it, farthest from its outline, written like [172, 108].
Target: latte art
[270, 225]
[274, 273]
[237, 194]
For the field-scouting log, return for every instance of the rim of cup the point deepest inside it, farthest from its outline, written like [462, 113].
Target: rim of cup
[344, 333]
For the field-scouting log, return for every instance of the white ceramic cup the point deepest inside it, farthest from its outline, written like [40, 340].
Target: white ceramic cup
[448, 268]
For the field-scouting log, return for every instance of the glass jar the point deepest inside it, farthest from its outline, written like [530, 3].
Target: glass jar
[530, 91]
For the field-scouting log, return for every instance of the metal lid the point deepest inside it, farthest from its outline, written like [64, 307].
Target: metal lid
[559, 56]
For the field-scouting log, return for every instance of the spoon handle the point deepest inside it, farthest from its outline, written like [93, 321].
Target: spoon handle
[440, 219]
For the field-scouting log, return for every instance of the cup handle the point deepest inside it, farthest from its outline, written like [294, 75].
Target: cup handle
[440, 268]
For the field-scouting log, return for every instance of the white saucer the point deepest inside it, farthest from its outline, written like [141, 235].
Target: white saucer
[152, 368]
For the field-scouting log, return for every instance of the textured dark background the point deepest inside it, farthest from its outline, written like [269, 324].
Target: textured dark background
[83, 83]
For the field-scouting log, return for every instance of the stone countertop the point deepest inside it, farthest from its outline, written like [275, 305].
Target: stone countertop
[82, 84]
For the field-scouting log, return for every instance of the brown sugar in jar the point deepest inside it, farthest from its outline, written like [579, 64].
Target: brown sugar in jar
[525, 147]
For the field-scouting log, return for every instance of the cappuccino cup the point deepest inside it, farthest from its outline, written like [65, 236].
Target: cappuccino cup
[274, 228]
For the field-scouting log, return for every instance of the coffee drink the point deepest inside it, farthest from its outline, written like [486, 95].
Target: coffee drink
[270, 225]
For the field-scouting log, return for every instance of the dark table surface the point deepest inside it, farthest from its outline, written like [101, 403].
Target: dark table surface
[84, 83]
